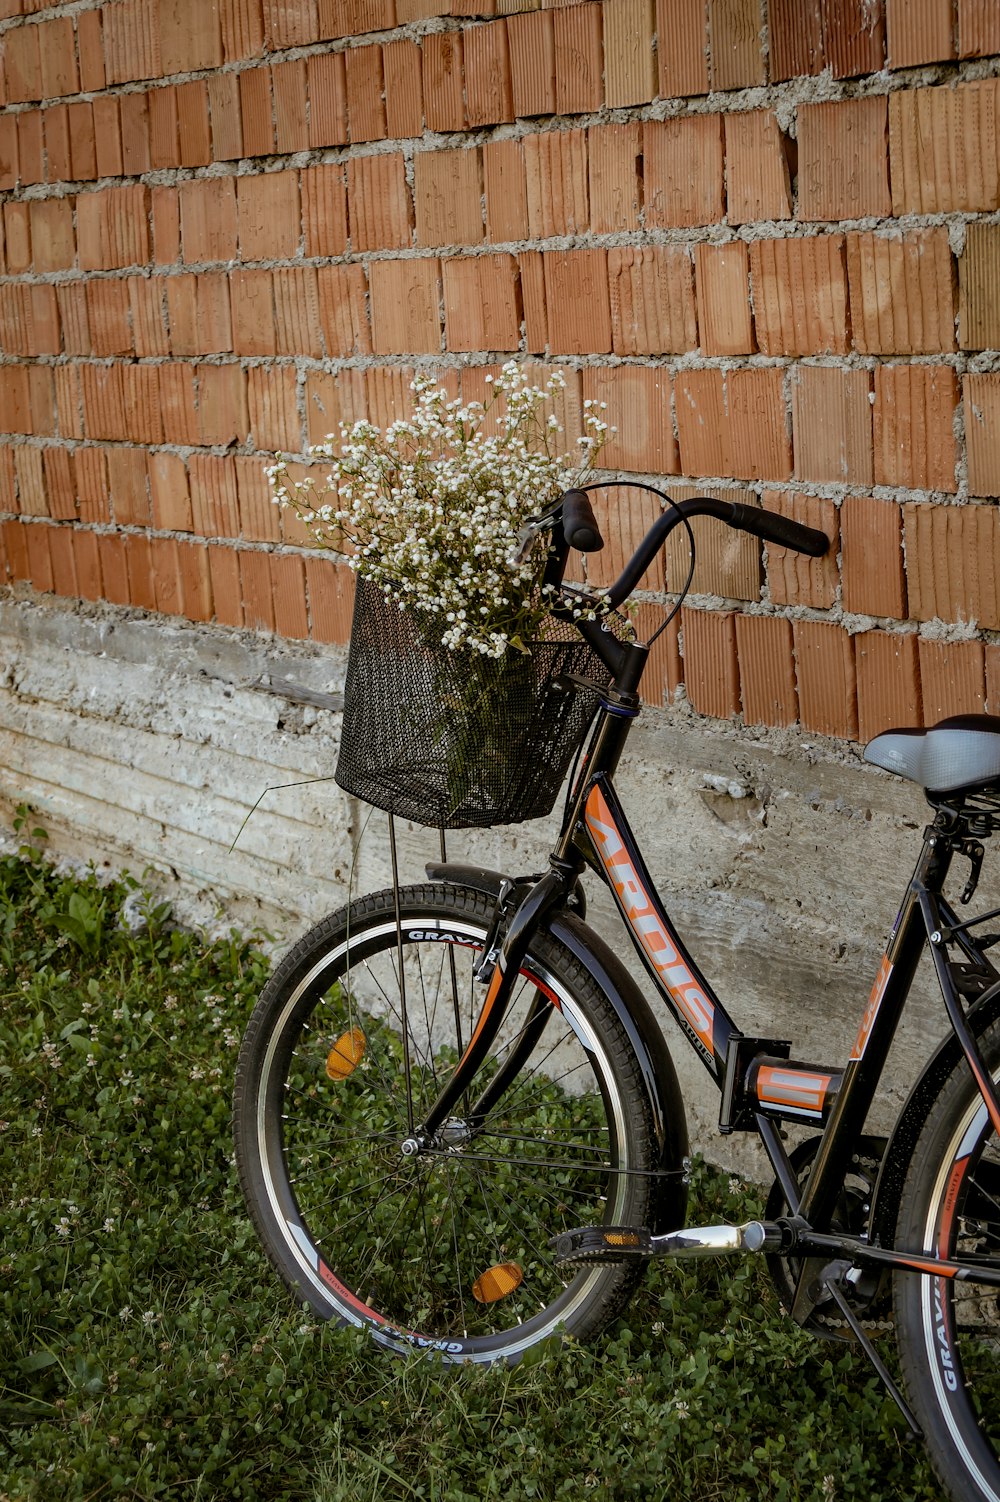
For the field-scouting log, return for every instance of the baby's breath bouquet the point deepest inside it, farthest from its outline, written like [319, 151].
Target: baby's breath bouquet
[456, 710]
[430, 509]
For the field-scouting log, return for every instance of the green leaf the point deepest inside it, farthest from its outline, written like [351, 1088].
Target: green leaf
[37, 1361]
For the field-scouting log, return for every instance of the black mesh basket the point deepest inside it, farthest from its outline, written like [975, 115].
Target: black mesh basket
[453, 738]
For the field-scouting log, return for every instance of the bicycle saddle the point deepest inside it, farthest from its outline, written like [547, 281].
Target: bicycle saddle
[961, 752]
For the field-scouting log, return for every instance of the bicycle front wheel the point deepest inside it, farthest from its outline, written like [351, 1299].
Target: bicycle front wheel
[948, 1331]
[446, 1248]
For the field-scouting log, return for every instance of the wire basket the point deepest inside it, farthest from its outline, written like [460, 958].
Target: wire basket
[452, 738]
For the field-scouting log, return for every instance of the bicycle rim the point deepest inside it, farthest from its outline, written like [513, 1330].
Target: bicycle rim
[448, 1248]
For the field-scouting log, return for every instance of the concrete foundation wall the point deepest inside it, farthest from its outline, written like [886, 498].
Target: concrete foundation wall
[145, 744]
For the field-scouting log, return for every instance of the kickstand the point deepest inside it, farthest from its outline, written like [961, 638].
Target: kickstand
[840, 1300]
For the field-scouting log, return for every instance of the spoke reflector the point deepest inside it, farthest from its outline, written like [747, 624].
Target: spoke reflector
[497, 1282]
[346, 1054]
[621, 1238]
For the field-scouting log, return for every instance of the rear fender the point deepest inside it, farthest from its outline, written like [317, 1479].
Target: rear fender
[639, 1024]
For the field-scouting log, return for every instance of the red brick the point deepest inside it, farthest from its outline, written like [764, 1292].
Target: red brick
[113, 228]
[920, 31]
[193, 129]
[664, 670]
[226, 117]
[252, 302]
[711, 673]
[404, 95]
[82, 141]
[767, 670]
[255, 587]
[324, 209]
[952, 679]
[15, 545]
[327, 85]
[843, 169]
[482, 309]
[149, 328]
[108, 317]
[134, 112]
[91, 471]
[624, 516]
[269, 215]
[166, 209]
[735, 29]
[727, 563]
[853, 37]
[872, 558]
[214, 505]
[832, 424]
[982, 433]
[22, 64]
[536, 323]
[164, 128]
[30, 149]
[614, 153]
[127, 486]
[799, 290]
[288, 593]
[578, 301]
[208, 219]
[8, 153]
[73, 318]
[331, 600]
[297, 316]
[978, 288]
[488, 97]
[59, 483]
[902, 292]
[227, 597]
[381, 214]
[441, 57]
[757, 180]
[32, 497]
[978, 32]
[639, 407]
[290, 23]
[405, 306]
[273, 408]
[365, 94]
[114, 569]
[505, 190]
[190, 36]
[345, 18]
[198, 314]
[256, 112]
[14, 399]
[242, 23]
[577, 37]
[629, 57]
[914, 412]
[683, 172]
[168, 590]
[722, 274]
[87, 565]
[43, 408]
[682, 47]
[39, 557]
[90, 47]
[195, 580]
[222, 405]
[169, 494]
[953, 563]
[289, 86]
[259, 520]
[179, 403]
[556, 181]
[992, 655]
[652, 300]
[533, 63]
[52, 244]
[58, 157]
[888, 682]
[17, 236]
[943, 152]
[332, 399]
[825, 675]
[343, 310]
[733, 424]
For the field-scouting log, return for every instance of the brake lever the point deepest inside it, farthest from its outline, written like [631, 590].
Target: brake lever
[532, 527]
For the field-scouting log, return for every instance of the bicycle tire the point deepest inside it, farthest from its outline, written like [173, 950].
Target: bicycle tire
[406, 1247]
[948, 1332]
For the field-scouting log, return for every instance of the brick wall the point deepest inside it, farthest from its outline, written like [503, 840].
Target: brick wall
[765, 232]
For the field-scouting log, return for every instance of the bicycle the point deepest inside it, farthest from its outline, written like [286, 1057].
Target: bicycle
[458, 1125]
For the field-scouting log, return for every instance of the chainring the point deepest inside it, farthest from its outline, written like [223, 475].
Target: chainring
[851, 1215]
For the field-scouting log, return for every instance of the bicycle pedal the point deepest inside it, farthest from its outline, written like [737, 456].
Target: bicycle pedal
[609, 1244]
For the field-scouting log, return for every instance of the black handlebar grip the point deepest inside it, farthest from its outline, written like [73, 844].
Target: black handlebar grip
[779, 529]
[579, 523]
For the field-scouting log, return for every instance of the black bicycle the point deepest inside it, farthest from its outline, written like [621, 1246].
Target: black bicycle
[457, 1122]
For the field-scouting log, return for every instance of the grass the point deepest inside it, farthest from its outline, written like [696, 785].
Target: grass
[147, 1351]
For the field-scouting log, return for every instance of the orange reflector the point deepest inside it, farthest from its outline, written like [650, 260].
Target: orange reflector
[346, 1054]
[621, 1238]
[497, 1282]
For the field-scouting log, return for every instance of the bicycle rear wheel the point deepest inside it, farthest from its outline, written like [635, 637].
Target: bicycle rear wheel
[948, 1332]
[446, 1248]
